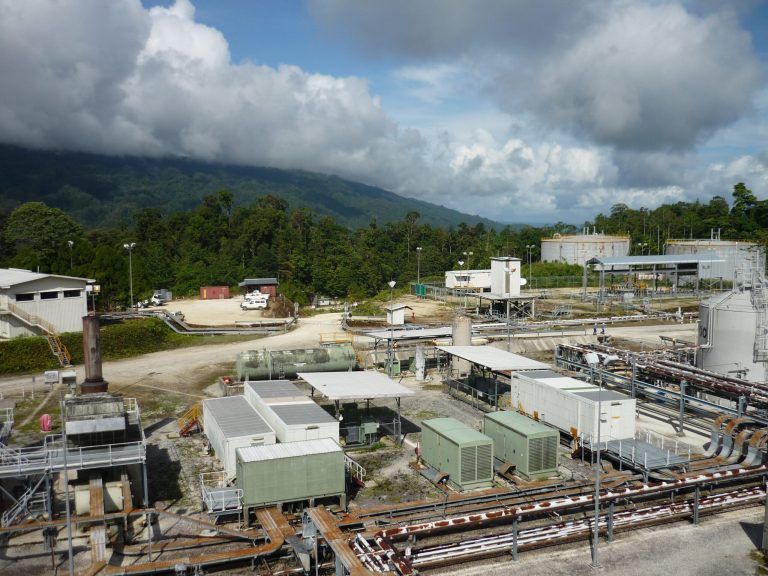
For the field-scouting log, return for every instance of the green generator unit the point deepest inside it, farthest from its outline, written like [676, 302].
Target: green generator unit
[528, 445]
[458, 450]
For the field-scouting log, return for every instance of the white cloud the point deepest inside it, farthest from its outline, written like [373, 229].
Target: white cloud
[597, 102]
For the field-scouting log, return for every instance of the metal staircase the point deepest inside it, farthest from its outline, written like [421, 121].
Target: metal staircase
[191, 420]
[34, 502]
[58, 348]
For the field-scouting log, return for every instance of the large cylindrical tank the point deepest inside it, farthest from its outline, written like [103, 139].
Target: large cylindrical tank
[740, 258]
[462, 336]
[727, 331]
[275, 364]
[578, 249]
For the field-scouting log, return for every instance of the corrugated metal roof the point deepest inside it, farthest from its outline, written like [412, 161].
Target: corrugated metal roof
[455, 431]
[287, 450]
[236, 417]
[605, 395]
[519, 422]
[541, 374]
[428, 333]
[493, 358]
[13, 276]
[275, 388]
[308, 413]
[258, 281]
[355, 385]
[660, 259]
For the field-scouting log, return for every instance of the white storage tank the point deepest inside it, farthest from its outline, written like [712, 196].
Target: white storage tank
[578, 249]
[293, 416]
[572, 405]
[231, 423]
[740, 258]
[462, 336]
[730, 328]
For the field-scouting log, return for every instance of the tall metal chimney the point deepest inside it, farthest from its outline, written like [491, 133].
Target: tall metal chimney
[94, 382]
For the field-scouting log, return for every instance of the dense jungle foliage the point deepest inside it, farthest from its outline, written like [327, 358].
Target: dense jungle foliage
[220, 243]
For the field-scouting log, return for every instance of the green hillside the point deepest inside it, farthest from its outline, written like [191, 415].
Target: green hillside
[107, 191]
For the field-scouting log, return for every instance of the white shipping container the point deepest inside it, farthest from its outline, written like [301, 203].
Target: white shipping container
[573, 411]
[231, 423]
[293, 416]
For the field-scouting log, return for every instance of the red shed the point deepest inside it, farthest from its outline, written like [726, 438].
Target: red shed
[214, 292]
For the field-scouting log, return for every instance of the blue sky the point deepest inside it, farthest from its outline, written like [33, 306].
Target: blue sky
[519, 111]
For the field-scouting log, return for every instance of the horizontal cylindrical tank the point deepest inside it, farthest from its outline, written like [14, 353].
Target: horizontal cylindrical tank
[274, 364]
[740, 258]
[580, 248]
[728, 333]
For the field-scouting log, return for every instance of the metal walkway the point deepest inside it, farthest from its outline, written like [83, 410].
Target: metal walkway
[50, 458]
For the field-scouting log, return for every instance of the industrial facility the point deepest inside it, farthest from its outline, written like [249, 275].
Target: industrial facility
[400, 448]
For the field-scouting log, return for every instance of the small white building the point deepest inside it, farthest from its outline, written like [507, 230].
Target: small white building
[396, 314]
[32, 303]
[505, 276]
[475, 280]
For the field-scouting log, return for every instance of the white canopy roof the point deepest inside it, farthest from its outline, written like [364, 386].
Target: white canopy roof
[354, 385]
[494, 358]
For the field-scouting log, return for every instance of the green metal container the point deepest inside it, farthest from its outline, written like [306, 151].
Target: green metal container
[529, 445]
[290, 472]
[462, 452]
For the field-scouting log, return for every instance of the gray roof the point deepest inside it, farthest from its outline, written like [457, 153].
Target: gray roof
[287, 450]
[493, 358]
[13, 276]
[605, 395]
[236, 417]
[306, 413]
[258, 281]
[275, 388]
[541, 374]
[667, 259]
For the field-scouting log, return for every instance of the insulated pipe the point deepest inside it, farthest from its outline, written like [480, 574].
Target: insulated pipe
[94, 382]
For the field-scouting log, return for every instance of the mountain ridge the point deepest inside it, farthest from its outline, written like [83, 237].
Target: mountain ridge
[101, 190]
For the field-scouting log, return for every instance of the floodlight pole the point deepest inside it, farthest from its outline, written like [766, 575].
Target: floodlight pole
[418, 265]
[70, 243]
[130, 247]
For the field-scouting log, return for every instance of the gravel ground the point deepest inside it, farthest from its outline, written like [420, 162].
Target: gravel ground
[720, 545]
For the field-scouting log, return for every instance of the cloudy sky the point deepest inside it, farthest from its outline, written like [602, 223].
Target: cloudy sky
[516, 110]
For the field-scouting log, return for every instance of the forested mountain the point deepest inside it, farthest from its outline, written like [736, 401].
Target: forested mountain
[102, 191]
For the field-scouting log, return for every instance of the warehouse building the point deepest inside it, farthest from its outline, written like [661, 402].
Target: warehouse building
[32, 303]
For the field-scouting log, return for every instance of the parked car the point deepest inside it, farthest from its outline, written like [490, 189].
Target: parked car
[254, 305]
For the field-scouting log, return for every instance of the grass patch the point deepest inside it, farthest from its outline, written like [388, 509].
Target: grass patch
[120, 339]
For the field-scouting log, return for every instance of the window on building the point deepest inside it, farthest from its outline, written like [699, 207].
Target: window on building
[71, 293]
[49, 295]
[28, 297]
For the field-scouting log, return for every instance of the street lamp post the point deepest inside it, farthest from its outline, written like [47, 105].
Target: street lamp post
[70, 243]
[418, 264]
[391, 351]
[467, 256]
[642, 246]
[593, 359]
[130, 247]
[530, 248]
[461, 276]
